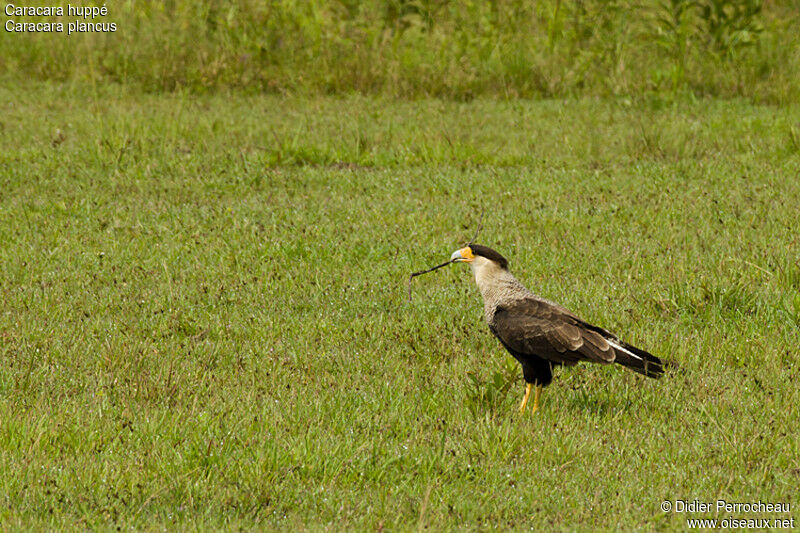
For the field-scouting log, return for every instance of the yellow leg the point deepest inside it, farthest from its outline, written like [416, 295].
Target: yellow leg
[536, 398]
[525, 399]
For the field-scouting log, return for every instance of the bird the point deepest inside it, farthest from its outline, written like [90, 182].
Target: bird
[541, 334]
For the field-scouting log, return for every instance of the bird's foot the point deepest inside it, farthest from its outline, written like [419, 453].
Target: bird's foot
[536, 399]
[528, 388]
[525, 399]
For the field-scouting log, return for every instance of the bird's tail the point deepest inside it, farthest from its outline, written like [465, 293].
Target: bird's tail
[640, 361]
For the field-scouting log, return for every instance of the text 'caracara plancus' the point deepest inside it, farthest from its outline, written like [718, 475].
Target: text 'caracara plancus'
[541, 334]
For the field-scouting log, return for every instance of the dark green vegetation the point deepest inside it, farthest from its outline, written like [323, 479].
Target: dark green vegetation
[204, 317]
[424, 48]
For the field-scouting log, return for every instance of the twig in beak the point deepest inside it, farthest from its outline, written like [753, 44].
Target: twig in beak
[477, 231]
[421, 272]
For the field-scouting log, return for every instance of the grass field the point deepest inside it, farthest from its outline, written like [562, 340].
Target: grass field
[450, 49]
[204, 320]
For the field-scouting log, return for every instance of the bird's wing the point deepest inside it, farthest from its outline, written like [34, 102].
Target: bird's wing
[537, 327]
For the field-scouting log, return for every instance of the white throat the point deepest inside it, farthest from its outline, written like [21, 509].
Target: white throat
[495, 283]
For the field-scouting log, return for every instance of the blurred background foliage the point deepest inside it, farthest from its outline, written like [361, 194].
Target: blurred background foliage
[444, 48]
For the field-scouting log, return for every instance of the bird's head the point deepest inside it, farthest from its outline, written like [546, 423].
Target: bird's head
[479, 257]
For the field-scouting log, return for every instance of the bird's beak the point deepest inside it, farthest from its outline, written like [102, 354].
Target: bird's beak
[464, 255]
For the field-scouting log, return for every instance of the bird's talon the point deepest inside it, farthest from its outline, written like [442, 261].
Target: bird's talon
[525, 398]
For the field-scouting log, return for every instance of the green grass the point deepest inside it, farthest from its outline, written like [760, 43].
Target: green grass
[204, 319]
[452, 49]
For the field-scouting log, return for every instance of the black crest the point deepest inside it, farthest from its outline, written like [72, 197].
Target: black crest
[488, 253]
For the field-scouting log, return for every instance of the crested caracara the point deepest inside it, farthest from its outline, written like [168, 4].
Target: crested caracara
[541, 334]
